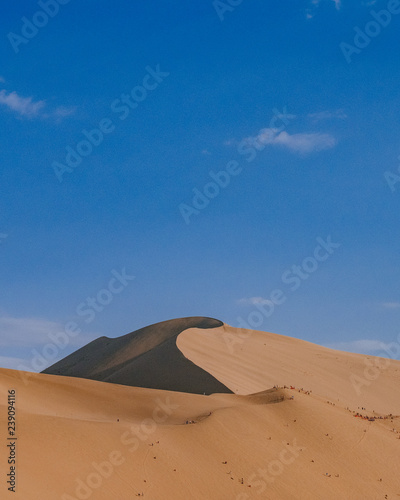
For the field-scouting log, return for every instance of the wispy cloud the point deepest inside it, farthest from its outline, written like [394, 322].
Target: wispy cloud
[60, 113]
[338, 3]
[339, 114]
[362, 346]
[28, 332]
[63, 111]
[25, 332]
[391, 305]
[24, 106]
[27, 107]
[299, 143]
[253, 301]
[310, 12]
[21, 339]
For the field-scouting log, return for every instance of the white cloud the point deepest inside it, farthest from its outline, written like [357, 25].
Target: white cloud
[338, 3]
[63, 111]
[26, 332]
[24, 106]
[310, 13]
[253, 301]
[363, 346]
[306, 143]
[328, 115]
[391, 305]
[300, 143]
[29, 337]
[29, 108]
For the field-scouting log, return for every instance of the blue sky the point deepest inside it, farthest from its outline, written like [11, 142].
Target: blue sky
[275, 101]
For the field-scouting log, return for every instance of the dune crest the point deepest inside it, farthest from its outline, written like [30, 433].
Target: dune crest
[147, 357]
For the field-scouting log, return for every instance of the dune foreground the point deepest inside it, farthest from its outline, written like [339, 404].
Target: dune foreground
[287, 425]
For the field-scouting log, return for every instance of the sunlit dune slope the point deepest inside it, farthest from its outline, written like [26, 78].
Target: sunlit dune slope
[145, 358]
[249, 361]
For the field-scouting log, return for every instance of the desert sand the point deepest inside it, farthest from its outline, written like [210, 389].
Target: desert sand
[79, 438]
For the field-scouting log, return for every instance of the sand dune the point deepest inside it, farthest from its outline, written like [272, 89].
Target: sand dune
[126, 360]
[80, 438]
[248, 361]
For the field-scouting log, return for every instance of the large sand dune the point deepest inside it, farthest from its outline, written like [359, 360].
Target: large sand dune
[81, 438]
[147, 357]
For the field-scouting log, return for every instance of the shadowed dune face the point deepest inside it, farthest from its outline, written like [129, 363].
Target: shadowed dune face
[147, 357]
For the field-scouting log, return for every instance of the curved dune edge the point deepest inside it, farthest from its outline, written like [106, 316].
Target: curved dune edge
[147, 357]
[250, 361]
